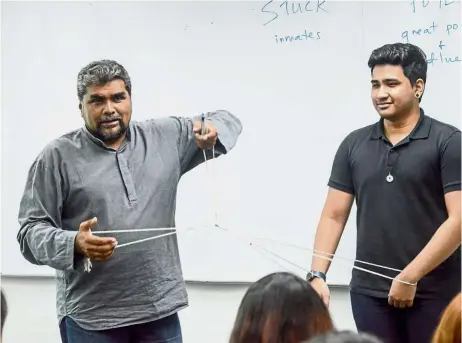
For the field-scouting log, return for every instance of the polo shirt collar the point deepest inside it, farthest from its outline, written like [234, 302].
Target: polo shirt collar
[420, 131]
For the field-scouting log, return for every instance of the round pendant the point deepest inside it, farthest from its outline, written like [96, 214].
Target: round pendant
[390, 178]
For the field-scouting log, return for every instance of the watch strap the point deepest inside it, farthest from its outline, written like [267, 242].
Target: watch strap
[314, 273]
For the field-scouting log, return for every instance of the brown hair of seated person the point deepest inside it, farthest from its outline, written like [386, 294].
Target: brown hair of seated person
[449, 327]
[280, 308]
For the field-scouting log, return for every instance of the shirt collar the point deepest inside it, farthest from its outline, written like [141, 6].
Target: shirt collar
[420, 131]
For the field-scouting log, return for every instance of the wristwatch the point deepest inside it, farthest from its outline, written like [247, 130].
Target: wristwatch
[314, 274]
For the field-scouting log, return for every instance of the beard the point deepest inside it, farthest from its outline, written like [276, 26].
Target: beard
[109, 135]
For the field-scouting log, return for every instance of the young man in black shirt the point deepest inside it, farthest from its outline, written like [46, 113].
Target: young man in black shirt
[404, 172]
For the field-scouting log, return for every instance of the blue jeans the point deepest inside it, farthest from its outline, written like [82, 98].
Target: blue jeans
[414, 324]
[160, 331]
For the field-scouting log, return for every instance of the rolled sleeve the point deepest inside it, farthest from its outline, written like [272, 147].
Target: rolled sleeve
[229, 128]
[181, 130]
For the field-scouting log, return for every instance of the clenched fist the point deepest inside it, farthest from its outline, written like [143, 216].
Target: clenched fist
[209, 138]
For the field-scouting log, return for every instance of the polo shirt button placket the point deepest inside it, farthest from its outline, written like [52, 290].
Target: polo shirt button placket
[390, 177]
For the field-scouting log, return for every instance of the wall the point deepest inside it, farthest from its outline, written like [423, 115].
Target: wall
[32, 311]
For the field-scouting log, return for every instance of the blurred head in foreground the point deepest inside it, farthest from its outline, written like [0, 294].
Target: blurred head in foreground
[280, 308]
[449, 327]
[344, 337]
[4, 312]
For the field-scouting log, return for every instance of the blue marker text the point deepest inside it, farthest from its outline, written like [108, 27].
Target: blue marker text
[275, 10]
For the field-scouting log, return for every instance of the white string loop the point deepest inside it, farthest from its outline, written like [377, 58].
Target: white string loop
[319, 254]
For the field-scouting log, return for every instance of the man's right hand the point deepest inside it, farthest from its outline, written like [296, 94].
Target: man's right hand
[94, 247]
[320, 286]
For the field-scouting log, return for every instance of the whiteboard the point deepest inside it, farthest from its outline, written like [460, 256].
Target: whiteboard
[295, 73]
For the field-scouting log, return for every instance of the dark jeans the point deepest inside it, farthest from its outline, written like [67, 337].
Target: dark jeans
[414, 324]
[160, 331]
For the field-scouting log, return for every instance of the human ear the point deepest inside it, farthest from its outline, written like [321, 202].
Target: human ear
[419, 88]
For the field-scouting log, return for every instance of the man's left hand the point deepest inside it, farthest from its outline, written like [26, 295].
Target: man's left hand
[401, 295]
[209, 139]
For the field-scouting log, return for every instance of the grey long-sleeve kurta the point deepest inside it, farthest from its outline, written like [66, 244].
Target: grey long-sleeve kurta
[75, 178]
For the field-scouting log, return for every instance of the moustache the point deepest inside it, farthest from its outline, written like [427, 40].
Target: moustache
[109, 119]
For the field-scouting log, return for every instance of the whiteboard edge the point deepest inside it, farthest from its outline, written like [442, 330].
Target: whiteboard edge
[192, 282]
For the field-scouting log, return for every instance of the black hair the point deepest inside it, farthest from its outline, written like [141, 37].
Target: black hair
[345, 336]
[4, 310]
[280, 308]
[410, 57]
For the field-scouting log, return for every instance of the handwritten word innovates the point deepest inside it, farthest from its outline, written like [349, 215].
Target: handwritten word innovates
[302, 37]
[291, 8]
[428, 4]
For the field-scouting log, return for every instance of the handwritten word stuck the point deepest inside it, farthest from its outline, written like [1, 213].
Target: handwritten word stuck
[430, 4]
[275, 10]
[305, 36]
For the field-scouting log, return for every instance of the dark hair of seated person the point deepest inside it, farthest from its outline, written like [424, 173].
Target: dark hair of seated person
[4, 311]
[345, 336]
[280, 308]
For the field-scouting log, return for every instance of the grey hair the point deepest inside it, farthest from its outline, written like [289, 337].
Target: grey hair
[344, 336]
[100, 73]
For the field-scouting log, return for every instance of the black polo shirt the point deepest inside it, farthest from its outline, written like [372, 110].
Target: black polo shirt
[395, 220]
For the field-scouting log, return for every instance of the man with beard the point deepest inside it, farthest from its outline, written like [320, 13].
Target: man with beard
[111, 174]
[405, 173]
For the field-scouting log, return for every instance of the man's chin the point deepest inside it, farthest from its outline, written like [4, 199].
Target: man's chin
[109, 136]
[386, 113]
[112, 133]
